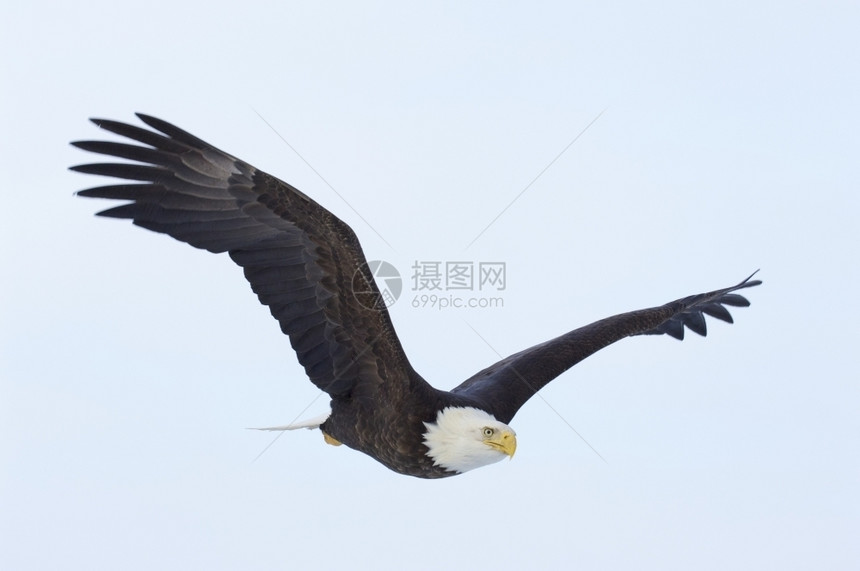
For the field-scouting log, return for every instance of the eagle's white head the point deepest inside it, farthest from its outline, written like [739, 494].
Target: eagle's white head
[465, 438]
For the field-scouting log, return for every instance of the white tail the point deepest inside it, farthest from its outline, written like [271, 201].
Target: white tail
[310, 424]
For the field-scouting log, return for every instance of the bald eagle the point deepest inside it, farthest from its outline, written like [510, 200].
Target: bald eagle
[303, 263]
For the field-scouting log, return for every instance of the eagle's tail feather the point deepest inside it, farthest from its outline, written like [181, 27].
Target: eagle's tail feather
[310, 424]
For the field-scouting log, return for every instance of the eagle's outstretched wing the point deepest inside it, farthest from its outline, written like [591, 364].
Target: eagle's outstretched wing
[505, 386]
[304, 263]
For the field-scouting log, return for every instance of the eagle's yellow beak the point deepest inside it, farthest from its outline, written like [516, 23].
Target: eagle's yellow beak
[504, 441]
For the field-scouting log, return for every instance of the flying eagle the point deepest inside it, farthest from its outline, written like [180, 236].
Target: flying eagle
[307, 266]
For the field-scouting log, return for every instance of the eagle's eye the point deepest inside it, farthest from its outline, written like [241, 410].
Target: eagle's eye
[488, 432]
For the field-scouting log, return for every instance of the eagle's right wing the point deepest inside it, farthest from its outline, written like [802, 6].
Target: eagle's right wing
[304, 263]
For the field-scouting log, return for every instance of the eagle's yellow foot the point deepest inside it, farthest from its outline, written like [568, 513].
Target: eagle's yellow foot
[330, 440]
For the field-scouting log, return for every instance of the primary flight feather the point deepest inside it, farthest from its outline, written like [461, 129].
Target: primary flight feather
[304, 264]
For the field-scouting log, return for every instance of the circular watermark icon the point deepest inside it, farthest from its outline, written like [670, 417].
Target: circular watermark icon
[372, 274]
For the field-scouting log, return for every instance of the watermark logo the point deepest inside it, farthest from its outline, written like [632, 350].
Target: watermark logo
[385, 276]
[435, 284]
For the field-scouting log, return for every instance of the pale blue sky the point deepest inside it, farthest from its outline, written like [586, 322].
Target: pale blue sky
[131, 363]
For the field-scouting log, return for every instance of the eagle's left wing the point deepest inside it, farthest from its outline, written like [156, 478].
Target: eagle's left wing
[505, 386]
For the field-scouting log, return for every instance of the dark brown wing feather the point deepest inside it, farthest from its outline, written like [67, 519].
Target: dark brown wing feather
[506, 386]
[300, 259]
